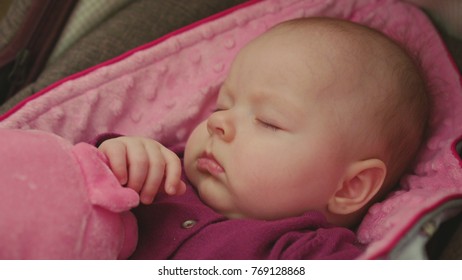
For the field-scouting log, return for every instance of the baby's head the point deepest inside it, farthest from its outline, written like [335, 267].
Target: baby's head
[315, 114]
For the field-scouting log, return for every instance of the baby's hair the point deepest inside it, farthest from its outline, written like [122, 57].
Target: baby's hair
[397, 112]
[406, 121]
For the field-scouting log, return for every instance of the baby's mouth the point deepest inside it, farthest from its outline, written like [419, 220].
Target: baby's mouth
[207, 163]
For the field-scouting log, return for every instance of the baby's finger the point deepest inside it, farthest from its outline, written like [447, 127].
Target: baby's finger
[155, 174]
[115, 152]
[180, 188]
[173, 183]
[138, 165]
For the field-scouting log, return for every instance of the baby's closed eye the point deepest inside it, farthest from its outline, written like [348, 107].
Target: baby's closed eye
[268, 124]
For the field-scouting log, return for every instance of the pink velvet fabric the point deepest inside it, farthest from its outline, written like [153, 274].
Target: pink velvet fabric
[61, 201]
[163, 89]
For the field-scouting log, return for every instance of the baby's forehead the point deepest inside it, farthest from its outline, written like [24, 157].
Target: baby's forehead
[331, 56]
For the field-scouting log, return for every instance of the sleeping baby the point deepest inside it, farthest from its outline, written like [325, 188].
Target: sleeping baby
[317, 119]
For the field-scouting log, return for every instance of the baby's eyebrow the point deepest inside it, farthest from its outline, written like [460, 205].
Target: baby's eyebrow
[280, 103]
[224, 93]
[223, 89]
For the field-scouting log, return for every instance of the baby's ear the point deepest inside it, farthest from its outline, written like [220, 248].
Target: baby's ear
[362, 181]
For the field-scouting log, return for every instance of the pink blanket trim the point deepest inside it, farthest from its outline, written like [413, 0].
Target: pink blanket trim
[163, 89]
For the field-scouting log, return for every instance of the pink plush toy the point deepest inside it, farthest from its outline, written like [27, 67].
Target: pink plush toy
[61, 201]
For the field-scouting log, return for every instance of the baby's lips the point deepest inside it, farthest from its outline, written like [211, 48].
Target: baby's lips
[209, 164]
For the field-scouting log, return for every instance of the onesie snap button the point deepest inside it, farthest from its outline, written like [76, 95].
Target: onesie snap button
[188, 224]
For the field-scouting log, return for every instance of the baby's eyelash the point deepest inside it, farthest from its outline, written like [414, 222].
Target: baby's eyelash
[217, 110]
[268, 125]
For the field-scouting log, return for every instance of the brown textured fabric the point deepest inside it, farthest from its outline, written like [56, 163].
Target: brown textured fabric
[12, 21]
[29, 30]
[138, 23]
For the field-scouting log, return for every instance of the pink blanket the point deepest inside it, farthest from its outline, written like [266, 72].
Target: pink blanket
[163, 89]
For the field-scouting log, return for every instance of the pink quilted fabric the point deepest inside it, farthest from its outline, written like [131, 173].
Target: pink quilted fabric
[163, 89]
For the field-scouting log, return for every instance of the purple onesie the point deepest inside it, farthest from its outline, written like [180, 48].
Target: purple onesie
[182, 227]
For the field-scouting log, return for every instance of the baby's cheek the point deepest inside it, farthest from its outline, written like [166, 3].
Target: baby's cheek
[258, 173]
[190, 154]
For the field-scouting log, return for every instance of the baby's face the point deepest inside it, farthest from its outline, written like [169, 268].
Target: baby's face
[271, 149]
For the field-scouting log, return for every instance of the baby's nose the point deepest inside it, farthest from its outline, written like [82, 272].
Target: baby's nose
[221, 125]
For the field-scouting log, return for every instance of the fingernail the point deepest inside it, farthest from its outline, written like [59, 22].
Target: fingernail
[146, 199]
[170, 190]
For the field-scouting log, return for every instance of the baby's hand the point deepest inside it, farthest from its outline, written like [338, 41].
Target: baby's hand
[144, 165]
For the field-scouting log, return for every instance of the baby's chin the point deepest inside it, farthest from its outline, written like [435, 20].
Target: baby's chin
[230, 212]
[233, 215]
[219, 206]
